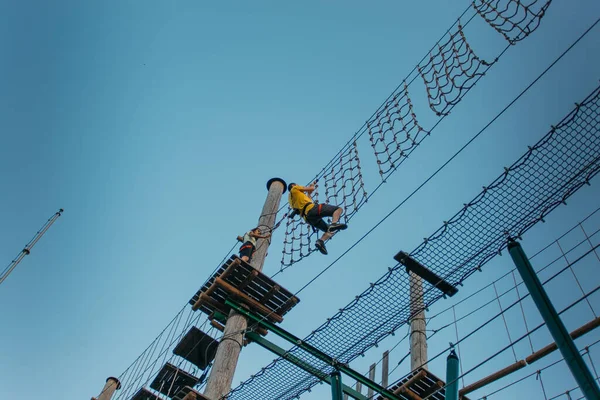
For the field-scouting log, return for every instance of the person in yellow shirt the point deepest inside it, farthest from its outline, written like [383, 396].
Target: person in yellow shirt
[313, 214]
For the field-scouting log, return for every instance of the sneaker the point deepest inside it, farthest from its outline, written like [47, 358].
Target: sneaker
[336, 227]
[320, 245]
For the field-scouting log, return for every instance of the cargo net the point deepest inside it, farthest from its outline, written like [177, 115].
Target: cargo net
[394, 132]
[344, 187]
[562, 162]
[451, 71]
[513, 19]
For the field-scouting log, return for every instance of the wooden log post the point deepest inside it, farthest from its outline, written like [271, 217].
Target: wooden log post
[112, 384]
[228, 352]
[418, 334]
[371, 377]
[385, 369]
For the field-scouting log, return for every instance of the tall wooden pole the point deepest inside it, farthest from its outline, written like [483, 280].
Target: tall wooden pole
[112, 384]
[228, 352]
[418, 334]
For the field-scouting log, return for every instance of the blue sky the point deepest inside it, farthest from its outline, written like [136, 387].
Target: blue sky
[156, 125]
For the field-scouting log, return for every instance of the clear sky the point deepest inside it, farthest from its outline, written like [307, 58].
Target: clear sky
[156, 125]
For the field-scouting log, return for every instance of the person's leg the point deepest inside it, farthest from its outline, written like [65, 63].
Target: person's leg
[313, 219]
[246, 252]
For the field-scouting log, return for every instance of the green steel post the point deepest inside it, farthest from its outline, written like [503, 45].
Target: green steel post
[336, 386]
[314, 351]
[272, 347]
[557, 329]
[452, 370]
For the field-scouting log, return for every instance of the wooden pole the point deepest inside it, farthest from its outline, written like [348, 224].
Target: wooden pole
[418, 335]
[371, 377]
[385, 369]
[228, 352]
[112, 384]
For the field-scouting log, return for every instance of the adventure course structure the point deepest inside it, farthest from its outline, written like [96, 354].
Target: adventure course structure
[196, 355]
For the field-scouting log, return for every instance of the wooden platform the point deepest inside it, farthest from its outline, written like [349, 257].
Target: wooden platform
[197, 347]
[184, 392]
[172, 378]
[418, 385]
[145, 394]
[240, 282]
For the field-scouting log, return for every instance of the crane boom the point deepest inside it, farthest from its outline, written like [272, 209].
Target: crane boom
[27, 249]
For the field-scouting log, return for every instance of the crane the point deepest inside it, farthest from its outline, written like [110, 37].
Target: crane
[27, 249]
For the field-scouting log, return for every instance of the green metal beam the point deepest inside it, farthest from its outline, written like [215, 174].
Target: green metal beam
[336, 386]
[296, 341]
[301, 364]
[557, 329]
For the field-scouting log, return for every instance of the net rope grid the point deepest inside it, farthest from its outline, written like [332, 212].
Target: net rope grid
[128, 386]
[569, 155]
[449, 71]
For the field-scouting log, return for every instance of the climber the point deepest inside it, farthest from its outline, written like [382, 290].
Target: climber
[302, 204]
[249, 243]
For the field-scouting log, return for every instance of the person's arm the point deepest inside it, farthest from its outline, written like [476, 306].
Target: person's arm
[307, 189]
[259, 236]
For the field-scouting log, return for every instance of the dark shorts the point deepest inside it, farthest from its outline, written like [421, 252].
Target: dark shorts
[315, 216]
[247, 250]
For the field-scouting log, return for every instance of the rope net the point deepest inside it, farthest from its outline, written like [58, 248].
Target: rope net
[563, 161]
[515, 20]
[451, 71]
[448, 71]
[394, 132]
[344, 186]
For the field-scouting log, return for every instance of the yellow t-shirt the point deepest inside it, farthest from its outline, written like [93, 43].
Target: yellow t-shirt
[298, 199]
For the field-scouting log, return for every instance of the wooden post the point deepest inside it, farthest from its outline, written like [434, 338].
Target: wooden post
[418, 335]
[112, 384]
[228, 352]
[371, 377]
[385, 369]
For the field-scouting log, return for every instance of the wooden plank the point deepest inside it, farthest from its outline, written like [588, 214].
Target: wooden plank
[543, 352]
[425, 273]
[437, 386]
[270, 294]
[249, 301]
[248, 279]
[492, 378]
[417, 377]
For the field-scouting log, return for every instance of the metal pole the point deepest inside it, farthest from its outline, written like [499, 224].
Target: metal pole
[452, 372]
[230, 346]
[557, 329]
[336, 386]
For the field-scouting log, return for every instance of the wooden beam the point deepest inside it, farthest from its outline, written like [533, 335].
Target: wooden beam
[217, 325]
[416, 378]
[270, 294]
[292, 301]
[204, 299]
[492, 378]
[543, 352]
[248, 279]
[230, 268]
[437, 386]
[248, 300]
